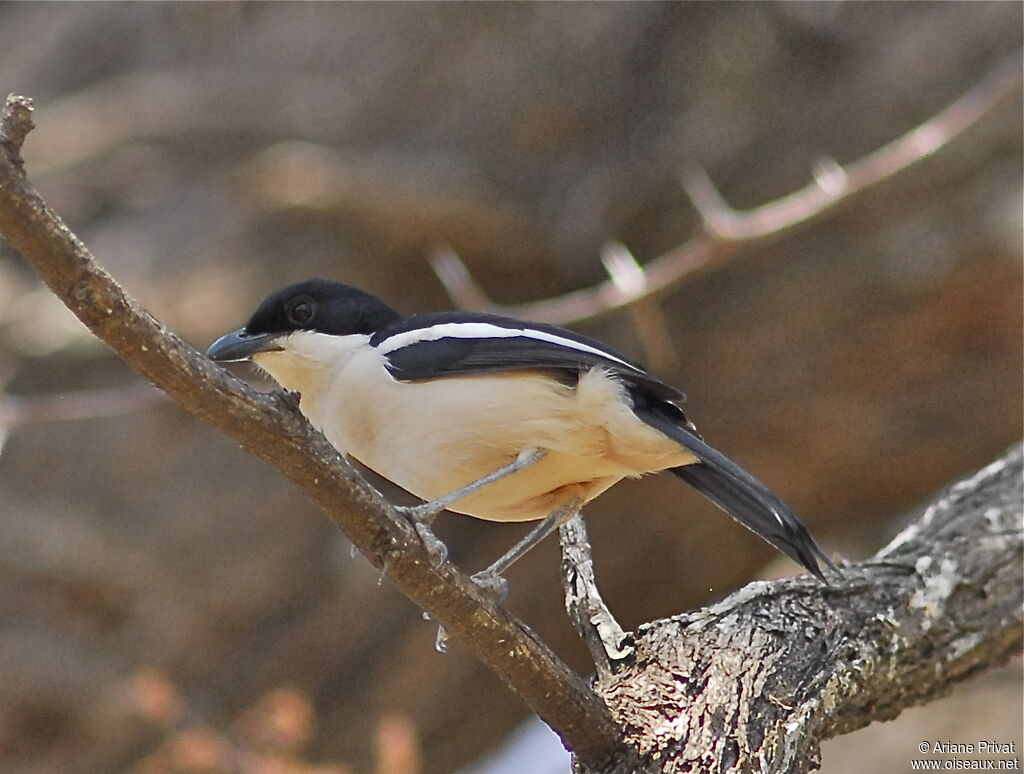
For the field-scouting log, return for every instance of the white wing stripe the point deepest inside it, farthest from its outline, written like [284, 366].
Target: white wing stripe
[486, 331]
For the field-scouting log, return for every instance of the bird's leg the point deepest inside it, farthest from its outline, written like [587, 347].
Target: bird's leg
[422, 516]
[429, 510]
[491, 579]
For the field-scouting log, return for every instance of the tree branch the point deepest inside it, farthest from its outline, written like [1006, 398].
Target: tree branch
[593, 620]
[726, 230]
[757, 681]
[269, 426]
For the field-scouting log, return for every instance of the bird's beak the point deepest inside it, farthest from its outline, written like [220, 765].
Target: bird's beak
[239, 345]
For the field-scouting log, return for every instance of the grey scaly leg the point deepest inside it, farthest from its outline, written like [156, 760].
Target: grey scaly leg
[491, 579]
[422, 516]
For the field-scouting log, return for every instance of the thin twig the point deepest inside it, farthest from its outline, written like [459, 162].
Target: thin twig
[626, 273]
[726, 230]
[268, 426]
[15, 129]
[593, 620]
[455, 276]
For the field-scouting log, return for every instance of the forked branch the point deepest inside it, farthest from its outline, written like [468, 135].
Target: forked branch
[758, 680]
[727, 230]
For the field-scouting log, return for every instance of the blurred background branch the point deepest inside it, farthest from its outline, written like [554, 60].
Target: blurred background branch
[725, 229]
[856, 366]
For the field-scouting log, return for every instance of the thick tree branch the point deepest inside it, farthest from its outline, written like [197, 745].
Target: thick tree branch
[726, 230]
[757, 681]
[269, 426]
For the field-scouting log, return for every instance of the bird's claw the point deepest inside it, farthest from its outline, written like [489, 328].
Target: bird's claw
[420, 514]
[434, 546]
[493, 585]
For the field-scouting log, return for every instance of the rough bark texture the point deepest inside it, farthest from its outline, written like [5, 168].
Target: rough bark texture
[757, 681]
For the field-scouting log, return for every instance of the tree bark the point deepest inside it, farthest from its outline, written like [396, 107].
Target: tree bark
[757, 681]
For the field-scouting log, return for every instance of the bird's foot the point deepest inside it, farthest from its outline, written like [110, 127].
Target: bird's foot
[421, 521]
[425, 513]
[493, 585]
[434, 546]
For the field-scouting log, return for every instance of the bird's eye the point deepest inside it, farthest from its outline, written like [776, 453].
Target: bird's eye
[301, 312]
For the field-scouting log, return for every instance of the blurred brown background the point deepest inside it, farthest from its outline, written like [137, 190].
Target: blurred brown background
[168, 603]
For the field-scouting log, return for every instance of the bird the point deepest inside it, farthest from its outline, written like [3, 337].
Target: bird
[493, 417]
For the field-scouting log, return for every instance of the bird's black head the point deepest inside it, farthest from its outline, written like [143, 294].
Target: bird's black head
[314, 305]
[322, 306]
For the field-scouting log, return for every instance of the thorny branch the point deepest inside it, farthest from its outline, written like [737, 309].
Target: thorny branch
[727, 230]
[268, 426]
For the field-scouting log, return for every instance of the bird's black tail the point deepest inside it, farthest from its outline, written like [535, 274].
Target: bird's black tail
[740, 495]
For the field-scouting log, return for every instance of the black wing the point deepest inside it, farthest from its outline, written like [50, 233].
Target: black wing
[736, 491]
[448, 344]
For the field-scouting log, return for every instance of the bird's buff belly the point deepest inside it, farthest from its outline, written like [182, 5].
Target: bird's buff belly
[457, 431]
